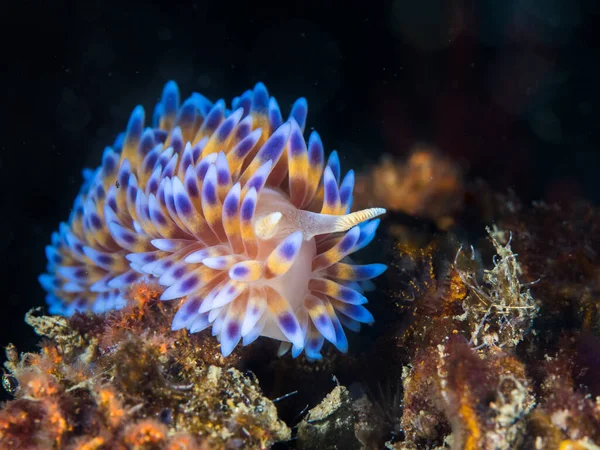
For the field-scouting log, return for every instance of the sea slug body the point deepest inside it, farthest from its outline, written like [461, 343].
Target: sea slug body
[232, 211]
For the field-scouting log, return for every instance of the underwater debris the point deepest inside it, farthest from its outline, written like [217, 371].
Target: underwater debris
[128, 381]
[427, 185]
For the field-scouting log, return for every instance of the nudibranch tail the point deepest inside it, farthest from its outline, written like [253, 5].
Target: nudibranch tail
[233, 212]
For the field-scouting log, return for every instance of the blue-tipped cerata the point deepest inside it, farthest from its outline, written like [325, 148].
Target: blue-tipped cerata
[234, 212]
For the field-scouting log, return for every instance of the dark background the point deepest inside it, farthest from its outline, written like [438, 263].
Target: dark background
[508, 88]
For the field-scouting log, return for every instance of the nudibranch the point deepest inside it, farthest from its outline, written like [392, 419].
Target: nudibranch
[233, 212]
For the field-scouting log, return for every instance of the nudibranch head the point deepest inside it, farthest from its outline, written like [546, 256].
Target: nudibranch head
[232, 211]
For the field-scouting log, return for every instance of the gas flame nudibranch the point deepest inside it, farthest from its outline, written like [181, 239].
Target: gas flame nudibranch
[233, 212]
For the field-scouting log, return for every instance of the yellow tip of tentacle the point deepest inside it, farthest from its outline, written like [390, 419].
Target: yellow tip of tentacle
[347, 221]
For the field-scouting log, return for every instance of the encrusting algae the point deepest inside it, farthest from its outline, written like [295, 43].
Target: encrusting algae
[126, 381]
[492, 355]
